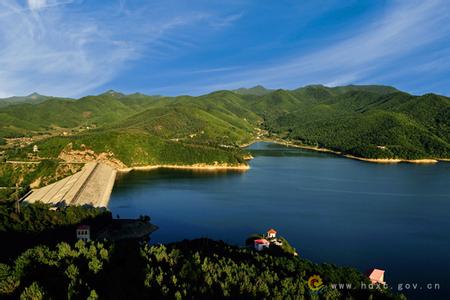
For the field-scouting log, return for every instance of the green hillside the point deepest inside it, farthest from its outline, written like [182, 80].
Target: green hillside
[367, 121]
[33, 98]
[257, 90]
[197, 269]
[27, 119]
[137, 148]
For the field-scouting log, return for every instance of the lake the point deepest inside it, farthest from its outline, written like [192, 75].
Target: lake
[331, 209]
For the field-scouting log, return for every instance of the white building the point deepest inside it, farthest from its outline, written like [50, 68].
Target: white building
[271, 233]
[260, 244]
[84, 233]
[35, 149]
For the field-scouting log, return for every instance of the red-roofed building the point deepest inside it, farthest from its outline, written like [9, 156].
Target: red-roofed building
[271, 233]
[84, 233]
[260, 244]
[377, 276]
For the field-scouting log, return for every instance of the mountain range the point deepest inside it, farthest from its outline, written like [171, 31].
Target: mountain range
[369, 121]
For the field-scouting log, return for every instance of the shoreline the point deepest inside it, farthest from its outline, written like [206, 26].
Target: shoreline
[394, 160]
[372, 160]
[199, 167]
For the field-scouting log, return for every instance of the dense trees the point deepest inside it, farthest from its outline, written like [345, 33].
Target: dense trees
[22, 175]
[35, 224]
[366, 123]
[203, 268]
[64, 272]
[209, 269]
[37, 217]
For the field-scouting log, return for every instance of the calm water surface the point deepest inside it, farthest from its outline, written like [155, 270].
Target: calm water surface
[332, 209]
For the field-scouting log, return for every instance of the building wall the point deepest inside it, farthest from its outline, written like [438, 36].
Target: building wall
[83, 234]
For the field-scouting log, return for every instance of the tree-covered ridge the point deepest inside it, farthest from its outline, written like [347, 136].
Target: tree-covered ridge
[366, 121]
[257, 90]
[372, 125]
[197, 269]
[37, 175]
[32, 98]
[35, 224]
[63, 273]
[36, 218]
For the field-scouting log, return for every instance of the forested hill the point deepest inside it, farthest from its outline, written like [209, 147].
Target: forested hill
[33, 98]
[366, 121]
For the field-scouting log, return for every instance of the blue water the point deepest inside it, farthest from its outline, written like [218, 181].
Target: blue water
[332, 209]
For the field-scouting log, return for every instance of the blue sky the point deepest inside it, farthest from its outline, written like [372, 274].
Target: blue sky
[171, 47]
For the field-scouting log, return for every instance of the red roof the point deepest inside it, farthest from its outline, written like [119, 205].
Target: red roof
[84, 227]
[271, 230]
[376, 275]
[262, 241]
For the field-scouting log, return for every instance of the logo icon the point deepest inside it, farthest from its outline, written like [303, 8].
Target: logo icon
[315, 283]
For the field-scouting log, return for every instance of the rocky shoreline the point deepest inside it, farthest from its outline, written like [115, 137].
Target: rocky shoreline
[202, 167]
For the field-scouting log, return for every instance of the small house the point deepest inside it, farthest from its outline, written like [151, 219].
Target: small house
[271, 233]
[377, 276]
[84, 233]
[260, 244]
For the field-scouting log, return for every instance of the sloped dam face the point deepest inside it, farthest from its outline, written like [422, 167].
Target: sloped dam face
[91, 186]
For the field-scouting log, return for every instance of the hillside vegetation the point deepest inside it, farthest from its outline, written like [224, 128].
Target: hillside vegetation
[33, 98]
[365, 121]
[198, 269]
[36, 175]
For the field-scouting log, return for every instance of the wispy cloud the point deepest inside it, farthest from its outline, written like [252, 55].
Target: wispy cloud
[37, 4]
[55, 48]
[76, 47]
[212, 70]
[49, 53]
[372, 52]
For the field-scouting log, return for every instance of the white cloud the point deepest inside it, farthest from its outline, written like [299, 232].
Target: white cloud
[50, 53]
[62, 50]
[37, 4]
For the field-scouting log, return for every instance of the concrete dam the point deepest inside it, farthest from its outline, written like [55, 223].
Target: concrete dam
[90, 186]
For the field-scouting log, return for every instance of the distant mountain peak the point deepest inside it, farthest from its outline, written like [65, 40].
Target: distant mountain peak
[35, 96]
[257, 90]
[258, 87]
[317, 85]
[377, 89]
[113, 93]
